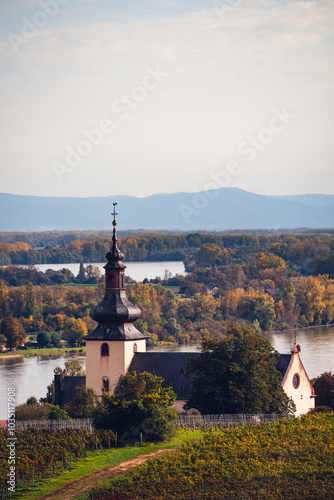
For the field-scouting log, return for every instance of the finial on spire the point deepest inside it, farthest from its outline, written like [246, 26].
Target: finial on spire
[114, 213]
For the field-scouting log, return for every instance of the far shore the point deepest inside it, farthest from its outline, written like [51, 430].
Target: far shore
[61, 351]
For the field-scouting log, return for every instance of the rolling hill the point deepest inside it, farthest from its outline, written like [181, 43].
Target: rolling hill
[217, 210]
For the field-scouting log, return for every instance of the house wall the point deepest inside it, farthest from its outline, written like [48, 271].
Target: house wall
[112, 366]
[302, 396]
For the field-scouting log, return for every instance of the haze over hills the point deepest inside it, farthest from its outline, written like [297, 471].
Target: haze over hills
[221, 209]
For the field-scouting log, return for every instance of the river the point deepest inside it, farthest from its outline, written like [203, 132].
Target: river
[136, 270]
[31, 376]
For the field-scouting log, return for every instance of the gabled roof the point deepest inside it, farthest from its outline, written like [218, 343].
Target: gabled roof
[283, 361]
[171, 366]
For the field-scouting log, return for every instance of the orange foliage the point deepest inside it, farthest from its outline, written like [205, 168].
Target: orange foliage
[14, 247]
[77, 245]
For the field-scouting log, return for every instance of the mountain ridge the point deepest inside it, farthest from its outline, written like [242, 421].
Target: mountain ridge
[217, 210]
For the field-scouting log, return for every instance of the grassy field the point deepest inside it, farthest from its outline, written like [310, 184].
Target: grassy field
[96, 461]
[54, 351]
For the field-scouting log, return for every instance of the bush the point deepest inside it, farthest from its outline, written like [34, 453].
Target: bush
[141, 410]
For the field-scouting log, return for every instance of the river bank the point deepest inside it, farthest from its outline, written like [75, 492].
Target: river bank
[54, 351]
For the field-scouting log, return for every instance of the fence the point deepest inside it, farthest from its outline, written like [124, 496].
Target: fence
[204, 421]
[84, 423]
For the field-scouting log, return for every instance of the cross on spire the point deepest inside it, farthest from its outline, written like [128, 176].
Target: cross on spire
[114, 213]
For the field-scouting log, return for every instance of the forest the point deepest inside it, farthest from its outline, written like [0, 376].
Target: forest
[266, 281]
[309, 253]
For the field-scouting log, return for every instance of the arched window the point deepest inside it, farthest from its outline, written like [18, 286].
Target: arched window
[104, 350]
[105, 384]
[135, 348]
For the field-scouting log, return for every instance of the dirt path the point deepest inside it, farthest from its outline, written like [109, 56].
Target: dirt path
[82, 484]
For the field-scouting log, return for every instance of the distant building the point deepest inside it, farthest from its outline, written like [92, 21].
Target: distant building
[116, 347]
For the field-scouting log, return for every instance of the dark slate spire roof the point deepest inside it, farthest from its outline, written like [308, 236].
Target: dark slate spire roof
[114, 256]
[115, 313]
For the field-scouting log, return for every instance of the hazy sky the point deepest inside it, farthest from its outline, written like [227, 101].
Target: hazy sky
[135, 97]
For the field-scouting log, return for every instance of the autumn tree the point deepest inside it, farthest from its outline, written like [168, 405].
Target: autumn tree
[209, 254]
[72, 368]
[13, 330]
[4, 300]
[74, 330]
[237, 374]
[204, 307]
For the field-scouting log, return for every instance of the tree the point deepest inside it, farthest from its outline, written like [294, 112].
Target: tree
[75, 330]
[82, 404]
[204, 307]
[4, 300]
[3, 340]
[55, 338]
[43, 339]
[13, 330]
[209, 254]
[93, 273]
[31, 401]
[324, 389]
[141, 405]
[173, 328]
[56, 413]
[237, 374]
[73, 368]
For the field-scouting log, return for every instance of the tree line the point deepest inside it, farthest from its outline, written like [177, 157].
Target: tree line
[305, 253]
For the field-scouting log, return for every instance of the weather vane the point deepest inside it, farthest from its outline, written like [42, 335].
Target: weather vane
[114, 213]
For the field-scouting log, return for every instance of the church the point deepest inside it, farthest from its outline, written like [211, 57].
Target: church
[116, 347]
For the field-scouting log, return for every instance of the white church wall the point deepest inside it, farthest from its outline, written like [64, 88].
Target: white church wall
[298, 387]
[112, 366]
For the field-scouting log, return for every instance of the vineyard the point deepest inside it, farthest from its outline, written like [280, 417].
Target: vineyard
[288, 459]
[46, 453]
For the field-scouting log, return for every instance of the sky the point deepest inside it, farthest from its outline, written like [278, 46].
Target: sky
[138, 97]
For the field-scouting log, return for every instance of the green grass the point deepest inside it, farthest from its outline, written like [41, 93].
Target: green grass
[54, 351]
[96, 461]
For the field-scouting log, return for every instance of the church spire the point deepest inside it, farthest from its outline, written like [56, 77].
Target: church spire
[114, 256]
[114, 223]
[115, 313]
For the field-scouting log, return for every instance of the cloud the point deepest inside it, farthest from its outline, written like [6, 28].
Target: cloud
[226, 75]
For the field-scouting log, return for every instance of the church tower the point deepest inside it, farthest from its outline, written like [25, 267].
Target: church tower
[111, 346]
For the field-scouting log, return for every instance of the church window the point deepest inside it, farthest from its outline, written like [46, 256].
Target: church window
[296, 381]
[105, 384]
[104, 350]
[135, 348]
